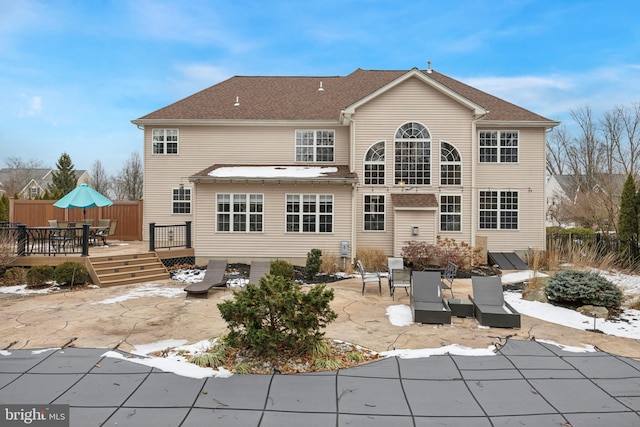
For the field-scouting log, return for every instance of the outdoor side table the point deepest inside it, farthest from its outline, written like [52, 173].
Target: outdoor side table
[461, 307]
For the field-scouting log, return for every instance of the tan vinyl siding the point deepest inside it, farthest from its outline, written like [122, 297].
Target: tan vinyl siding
[445, 119]
[425, 220]
[273, 242]
[528, 178]
[202, 146]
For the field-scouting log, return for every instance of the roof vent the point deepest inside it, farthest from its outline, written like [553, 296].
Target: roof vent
[320, 89]
[429, 67]
[237, 103]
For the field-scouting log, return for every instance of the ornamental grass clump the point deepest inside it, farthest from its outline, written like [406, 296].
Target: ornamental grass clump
[575, 287]
[277, 317]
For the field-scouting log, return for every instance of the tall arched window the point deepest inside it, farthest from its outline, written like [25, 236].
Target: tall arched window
[374, 164]
[450, 165]
[412, 155]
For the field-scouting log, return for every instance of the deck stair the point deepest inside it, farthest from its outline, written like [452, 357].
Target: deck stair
[125, 269]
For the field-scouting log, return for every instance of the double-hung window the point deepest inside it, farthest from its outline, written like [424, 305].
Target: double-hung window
[165, 141]
[450, 213]
[374, 212]
[412, 155]
[240, 212]
[314, 145]
[181, 200]
[498, 210]
[498, 146]
[309, 213]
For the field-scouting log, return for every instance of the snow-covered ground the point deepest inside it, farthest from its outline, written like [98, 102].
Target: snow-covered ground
[398, 314]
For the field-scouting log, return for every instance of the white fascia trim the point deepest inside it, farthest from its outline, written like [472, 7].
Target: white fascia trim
[477, 109]
[481, 124]
[229, 122]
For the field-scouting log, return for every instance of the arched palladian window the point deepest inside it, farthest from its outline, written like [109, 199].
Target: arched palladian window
[374, 164]
[412, 161]
[450, 165]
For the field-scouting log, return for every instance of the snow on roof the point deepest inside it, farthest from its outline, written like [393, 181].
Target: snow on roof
[272, 171]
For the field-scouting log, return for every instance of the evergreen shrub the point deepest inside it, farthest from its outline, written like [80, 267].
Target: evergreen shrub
[574, 287]
[71, 273]
[39, 275]
[314, 262]
[15, 276]
[282, 268]
[277, 318]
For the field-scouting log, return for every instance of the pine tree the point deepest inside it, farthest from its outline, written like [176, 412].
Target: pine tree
[628, 216]
[64, 180]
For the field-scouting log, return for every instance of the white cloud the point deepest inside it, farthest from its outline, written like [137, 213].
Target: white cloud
[35, 106]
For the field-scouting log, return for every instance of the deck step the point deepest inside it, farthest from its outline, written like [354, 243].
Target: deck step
[127, 269]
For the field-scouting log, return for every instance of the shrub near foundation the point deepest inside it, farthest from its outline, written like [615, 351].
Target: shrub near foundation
[71, 273]
[15, 276]
[39, 275]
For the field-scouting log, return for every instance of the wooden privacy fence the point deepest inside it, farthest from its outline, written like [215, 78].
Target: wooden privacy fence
[36, 213]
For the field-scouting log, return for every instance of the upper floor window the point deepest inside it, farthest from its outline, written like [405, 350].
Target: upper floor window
[498, 146]
[412, 155]
[374, 164]
[240, 212]
[181, 200]
[450, 213]
[450, 165]
[498, 210]
[374, 212]
[165, 141]
[309, 213]
[314, 145]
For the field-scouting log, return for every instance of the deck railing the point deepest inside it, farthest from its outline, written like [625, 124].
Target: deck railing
[169, 236]
[20, 240]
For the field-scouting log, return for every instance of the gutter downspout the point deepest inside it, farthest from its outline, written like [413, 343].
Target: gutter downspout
[354, 187]
[474, 199]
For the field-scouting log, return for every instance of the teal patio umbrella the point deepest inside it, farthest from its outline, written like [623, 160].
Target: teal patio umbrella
[83, 196]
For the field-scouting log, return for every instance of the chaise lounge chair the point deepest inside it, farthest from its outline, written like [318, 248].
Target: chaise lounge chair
[213, 278]
[399, 277]
[489, 306]
[427, 303]
[258, 269]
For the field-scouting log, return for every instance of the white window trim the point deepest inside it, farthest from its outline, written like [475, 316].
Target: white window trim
[461, 213]
[499, 225]
[429, 140]
[317, 214]
[190, 201]
[452, 163]
[246, 214]
[164, 143]
[384, 213]
[315, 146]
[499, 147]
[368, 162]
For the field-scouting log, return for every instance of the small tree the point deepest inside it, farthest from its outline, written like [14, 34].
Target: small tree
[277, 317]
[64, 179]
[4, 208]
[628, 217]
[314, 262]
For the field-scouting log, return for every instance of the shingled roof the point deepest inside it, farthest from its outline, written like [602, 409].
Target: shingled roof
[298, 98]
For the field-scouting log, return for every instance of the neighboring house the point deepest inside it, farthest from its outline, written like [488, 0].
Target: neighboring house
[577, 201]
[271, 167]
[31, 183]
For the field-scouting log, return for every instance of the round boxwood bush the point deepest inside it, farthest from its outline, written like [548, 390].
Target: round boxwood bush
[282, 268]
[71, 273]
[39, 275]
[574, 287]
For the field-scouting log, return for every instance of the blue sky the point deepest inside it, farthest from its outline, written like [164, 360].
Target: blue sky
[73, 74]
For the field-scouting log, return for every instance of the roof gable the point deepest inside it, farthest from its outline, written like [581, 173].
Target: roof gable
[322, 98]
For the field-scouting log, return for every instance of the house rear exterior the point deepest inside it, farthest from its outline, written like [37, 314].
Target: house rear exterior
[271, 167]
